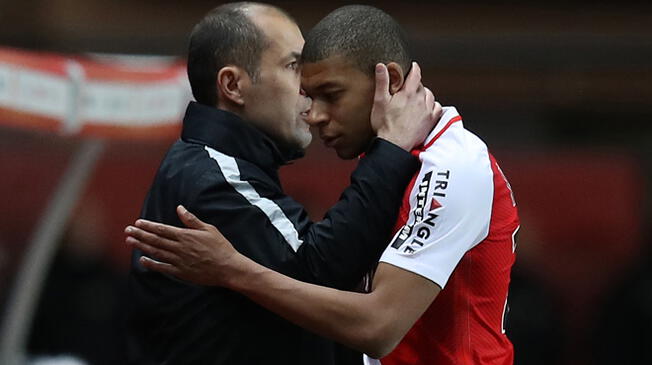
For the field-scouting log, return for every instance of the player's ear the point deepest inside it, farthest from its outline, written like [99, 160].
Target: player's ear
[396, 77]
[231, 80]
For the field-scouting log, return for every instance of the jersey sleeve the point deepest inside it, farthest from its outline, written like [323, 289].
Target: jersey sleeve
[449, 211]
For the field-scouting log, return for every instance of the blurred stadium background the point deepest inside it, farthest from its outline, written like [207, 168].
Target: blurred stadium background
[91, 94]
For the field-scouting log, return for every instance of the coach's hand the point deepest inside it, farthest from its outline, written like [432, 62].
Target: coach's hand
[406, 117]
[199, 254]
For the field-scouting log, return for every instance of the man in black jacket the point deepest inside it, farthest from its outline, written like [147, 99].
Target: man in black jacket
[244, 70]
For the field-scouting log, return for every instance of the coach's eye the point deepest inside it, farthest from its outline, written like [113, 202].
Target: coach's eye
[293, 65]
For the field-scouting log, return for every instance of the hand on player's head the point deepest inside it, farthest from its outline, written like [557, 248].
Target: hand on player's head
[406, 117]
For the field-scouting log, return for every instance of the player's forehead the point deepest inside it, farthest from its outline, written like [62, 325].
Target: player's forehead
[334, 71]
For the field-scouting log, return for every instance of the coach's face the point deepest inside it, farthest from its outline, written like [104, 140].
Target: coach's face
[342, 97]
[274, 101]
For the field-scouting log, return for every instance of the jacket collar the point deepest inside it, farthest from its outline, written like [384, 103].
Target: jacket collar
[228, 133]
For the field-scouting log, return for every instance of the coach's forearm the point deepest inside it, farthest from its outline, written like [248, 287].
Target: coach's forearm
[351, 319]
[338, 250]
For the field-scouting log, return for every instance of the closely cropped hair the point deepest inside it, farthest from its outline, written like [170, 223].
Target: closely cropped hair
[363, 34]
[225, 36]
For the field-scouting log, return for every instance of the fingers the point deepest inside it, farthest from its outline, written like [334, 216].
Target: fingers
[382, 84]
[151, 251]
[151, 239]
[189, 219]
[159, 229]
[437, 111]
[161, 267]
[433, 105]
[413, 80]
[430, 99]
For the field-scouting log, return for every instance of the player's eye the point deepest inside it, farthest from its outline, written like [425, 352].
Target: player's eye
[332, 97]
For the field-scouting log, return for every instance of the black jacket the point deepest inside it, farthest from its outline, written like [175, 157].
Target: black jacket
[226, 172]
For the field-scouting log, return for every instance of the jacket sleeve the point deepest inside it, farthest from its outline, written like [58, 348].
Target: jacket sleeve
[336, 251]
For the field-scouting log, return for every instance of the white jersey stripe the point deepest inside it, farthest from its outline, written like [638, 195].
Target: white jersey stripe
[369, 361]
[231, 173]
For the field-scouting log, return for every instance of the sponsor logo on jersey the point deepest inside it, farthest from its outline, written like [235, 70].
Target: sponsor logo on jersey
[417, 212]
[441, 183]
[414, 235]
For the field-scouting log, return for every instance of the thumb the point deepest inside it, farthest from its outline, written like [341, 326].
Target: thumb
[189, 219]
[382, 84]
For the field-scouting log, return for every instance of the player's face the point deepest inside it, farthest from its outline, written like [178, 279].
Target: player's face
[342, 97]
[274, 102]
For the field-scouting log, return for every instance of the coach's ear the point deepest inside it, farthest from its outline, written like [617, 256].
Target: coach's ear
[230, 82]
[396, 77]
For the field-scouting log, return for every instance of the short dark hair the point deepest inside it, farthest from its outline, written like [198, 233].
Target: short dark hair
[364, 34]
[225, 36]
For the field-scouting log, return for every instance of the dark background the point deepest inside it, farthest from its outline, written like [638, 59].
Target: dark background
[560, 91]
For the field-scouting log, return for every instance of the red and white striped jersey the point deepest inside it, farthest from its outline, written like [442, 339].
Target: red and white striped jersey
[456, 227]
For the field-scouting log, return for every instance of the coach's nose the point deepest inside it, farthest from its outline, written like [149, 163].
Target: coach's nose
[318, 114]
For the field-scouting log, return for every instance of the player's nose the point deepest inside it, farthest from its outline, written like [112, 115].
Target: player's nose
[318, 114]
